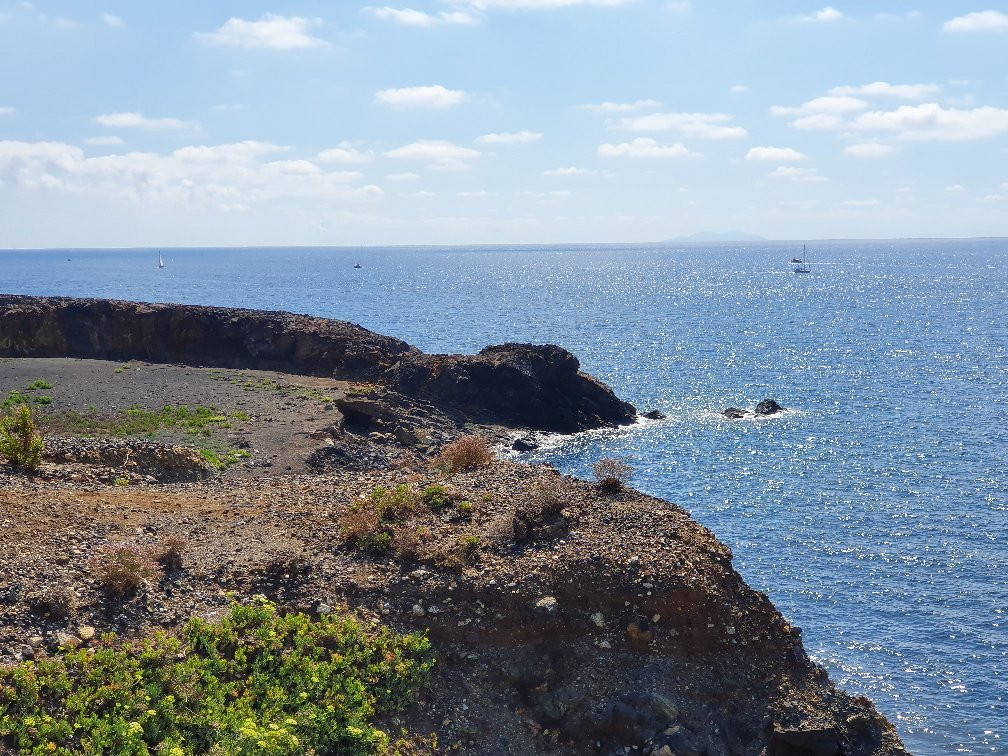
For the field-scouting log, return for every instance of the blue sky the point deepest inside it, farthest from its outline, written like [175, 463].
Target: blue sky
[499, 121]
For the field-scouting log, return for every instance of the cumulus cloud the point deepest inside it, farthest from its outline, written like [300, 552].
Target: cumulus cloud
[346, 154]
[140, 121]
[225, 176]
[868, 150]
[789, 172]
[885, 89]
[112, 20]
[644, 148]
[515, 137]
[103, 141]
[981, 21]
[271, 32]
[931, 122]
[434, 97]
[412, 17]
[775, 154]
[622, 107]
[827, 15]
[955, 188]
[440, 154]
[6, 110]
[701, 125]
[739, 89]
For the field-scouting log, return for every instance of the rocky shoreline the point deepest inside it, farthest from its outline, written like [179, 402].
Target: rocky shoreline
[567, 617]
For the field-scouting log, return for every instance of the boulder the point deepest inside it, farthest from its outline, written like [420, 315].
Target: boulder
[654, 415]
[768, 407]
[734, 413]
[525, 443]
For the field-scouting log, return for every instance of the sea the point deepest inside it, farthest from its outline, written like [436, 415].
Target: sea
[873, 512]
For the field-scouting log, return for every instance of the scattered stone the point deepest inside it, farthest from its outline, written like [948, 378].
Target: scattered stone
[418, 610]
[546, 604]
[768, 407]
[654, 415]
[525, 443]
[86, 633]
[599, 619]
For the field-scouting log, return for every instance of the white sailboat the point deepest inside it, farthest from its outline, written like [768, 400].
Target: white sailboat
[160, 260]
[801, 266]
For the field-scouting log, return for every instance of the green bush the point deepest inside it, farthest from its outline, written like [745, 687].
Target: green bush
[20, 443]
[254, 683]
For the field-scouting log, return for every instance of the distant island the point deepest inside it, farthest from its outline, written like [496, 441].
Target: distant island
[715, 236]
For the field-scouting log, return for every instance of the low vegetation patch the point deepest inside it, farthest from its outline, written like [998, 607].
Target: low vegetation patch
[137, 420]
[121, 568]
[612, 474]
[257, 682]
[373, 522]
[466, 453]
[20, 442]
[223, 458]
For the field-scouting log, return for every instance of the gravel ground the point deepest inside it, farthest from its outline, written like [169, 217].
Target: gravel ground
[566, 618]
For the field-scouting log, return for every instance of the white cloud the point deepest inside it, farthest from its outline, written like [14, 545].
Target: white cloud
[792, 173]
[981, 21]
[412, 17]
[994, 198]
[701, 125]
[541, 4]
[885, 89]
[481, 194]
[568, 171]
[827, 15]
[271, 32]
[103, 141]
[442, 155]
[644, 148]
[955, 188]
[861, 203]
[140, 121]
[775, 154]
[739, 89]
[932, 122]
[1004, 185]
[834, 104]
[225, 177]
[6, 110]
[423, 194]
[111, 20]
[435, 97]
[408, 176]
[516, 137]
[345, 153]
[868, 150]
[818, 122]
[622, 107]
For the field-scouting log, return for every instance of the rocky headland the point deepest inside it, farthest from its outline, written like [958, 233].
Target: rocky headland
[566, 616]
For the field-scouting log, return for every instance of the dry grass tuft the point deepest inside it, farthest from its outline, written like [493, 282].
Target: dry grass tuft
[466, 453]
[612, 474]
[123, 567]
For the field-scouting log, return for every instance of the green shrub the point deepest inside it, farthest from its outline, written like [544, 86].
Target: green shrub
[254, 683]
[435, 496]
[39, 384]
[14, 399]
[369, 525]
[20, 443]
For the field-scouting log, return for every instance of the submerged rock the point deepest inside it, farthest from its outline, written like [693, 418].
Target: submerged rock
[654, 415]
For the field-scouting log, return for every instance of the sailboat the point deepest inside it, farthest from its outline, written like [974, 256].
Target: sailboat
[160, 261]
[801, 266]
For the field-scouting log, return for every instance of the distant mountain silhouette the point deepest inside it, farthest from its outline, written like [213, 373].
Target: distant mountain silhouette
[716, 236]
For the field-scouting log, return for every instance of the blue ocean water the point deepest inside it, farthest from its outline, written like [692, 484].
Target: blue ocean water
[874, 513]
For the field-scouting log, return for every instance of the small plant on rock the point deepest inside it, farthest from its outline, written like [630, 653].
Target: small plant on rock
[466, 453]
[123, 567]
[20, 442]
[612, 474]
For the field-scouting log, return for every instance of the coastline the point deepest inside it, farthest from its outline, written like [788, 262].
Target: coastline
[719, 667]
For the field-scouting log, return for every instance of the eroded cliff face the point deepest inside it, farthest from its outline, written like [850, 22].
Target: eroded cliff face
[521, 385]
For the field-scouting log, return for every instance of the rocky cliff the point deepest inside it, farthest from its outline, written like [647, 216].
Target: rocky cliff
[521, 385]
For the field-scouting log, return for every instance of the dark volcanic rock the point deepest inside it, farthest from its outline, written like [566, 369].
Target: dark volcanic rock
[537, 387]
[525, 443]
[768, 407]
[654, 415]
[106, 329]
[734, 413]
